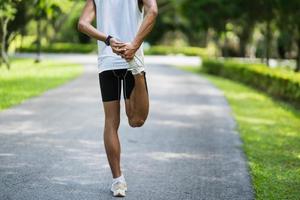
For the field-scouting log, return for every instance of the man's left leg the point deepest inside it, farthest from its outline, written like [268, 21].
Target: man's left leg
[137, 99]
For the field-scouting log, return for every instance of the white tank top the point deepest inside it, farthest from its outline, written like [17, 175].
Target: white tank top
[120, 19]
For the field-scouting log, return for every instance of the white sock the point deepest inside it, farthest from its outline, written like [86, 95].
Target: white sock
[120, 178]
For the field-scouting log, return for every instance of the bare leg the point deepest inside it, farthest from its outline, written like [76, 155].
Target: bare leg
[111, 139]
[137, 106]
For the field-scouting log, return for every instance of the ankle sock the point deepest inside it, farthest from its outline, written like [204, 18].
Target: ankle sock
[120, 178]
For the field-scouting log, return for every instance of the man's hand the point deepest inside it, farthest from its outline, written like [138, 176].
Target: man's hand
[128, 50]
[116, 46]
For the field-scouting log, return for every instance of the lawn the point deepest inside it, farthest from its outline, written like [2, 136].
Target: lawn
[270, 131]
[26, 79]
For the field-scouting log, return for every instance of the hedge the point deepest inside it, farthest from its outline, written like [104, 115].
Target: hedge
[88, 48]
[63, 48]
[166, 50]
[276, 82]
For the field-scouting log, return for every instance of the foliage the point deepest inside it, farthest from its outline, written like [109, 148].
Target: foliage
[89, 48]
[289, 20]
[188, 51]
[277, 82]
[216, 20]
[7, 13]
[169, 20]
[236, 27]
[63, 48]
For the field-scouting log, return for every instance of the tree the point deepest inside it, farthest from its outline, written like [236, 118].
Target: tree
[244, 20]
[50, 11]
[290, 20]
[266, 11]
[42, 10]
[170, 19]
[206, 14]
[7, 13]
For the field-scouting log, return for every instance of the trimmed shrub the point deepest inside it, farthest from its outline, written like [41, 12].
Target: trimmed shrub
[63, 48]
[276, 82]
[92, 47]
[167, 50]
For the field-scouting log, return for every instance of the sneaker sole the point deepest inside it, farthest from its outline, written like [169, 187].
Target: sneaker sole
[124, 189]
[119, 194]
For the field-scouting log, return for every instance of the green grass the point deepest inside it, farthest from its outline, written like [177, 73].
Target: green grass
[270, 131]
[26, 79]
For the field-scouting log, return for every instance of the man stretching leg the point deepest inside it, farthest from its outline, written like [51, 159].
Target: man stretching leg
[122, 26]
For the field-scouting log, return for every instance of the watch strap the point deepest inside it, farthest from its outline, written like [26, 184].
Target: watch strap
[107, 40]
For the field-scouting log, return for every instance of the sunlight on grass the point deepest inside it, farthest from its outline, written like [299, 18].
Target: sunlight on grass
[26, 79]
[254, 120]
[270, 130]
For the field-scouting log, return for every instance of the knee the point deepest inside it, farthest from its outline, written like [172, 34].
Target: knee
[111, 125]
[136, 122]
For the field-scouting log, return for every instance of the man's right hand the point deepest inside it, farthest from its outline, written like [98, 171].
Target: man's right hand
[116, 46]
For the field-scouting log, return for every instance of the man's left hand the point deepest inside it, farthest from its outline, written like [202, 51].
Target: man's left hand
[129, 50]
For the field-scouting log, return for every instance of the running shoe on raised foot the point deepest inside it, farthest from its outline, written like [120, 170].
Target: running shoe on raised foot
[136, 65]
[119, 189]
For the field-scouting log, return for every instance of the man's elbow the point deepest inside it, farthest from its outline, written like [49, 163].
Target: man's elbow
[153, 11]
[81, 25]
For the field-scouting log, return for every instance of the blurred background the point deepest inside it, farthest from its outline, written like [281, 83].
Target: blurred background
[249, 49]
[261, 29]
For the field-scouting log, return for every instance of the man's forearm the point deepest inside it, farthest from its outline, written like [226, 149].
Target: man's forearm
[91, 31]
[146, 26]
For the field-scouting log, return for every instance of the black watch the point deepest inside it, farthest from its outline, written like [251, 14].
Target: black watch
[107, 40]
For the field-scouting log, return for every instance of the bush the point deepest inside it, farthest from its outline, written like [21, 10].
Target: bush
[166, 50]
[276, 82]
[88, 48]
[63, 48]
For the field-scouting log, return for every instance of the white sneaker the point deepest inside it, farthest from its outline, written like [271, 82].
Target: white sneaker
[119, 188]
[136, 65]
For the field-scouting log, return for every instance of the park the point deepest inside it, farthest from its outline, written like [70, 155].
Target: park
[224, 90]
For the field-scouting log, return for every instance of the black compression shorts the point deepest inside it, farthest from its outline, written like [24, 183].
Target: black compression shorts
[110, 84]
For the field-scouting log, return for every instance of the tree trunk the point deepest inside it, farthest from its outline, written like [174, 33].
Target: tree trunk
[204, 38]
[268, 41]
[244, 38]
[243, 44]
[21, 42]
[298, 56]
[4, 56]
[225, 48]
[38, 42]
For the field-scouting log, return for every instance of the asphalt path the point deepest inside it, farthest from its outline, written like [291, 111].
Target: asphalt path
[51, 146]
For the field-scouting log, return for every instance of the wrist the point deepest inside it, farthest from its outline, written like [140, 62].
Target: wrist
[107, 40]
[136, 44]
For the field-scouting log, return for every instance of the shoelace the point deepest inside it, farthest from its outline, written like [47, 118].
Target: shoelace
[119, 185]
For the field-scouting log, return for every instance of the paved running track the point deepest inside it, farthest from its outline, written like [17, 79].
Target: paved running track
[51, 146]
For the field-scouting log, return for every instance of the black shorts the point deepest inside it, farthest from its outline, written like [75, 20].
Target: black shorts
[110, 84]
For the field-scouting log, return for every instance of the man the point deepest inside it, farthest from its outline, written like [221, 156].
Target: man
[122, 26]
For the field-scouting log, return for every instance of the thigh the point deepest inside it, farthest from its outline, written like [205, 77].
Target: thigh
[128, 84]
[110, 86]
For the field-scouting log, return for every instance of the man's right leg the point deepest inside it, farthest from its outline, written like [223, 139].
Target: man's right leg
[110, 86]
[111, 139]
[111, 91]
